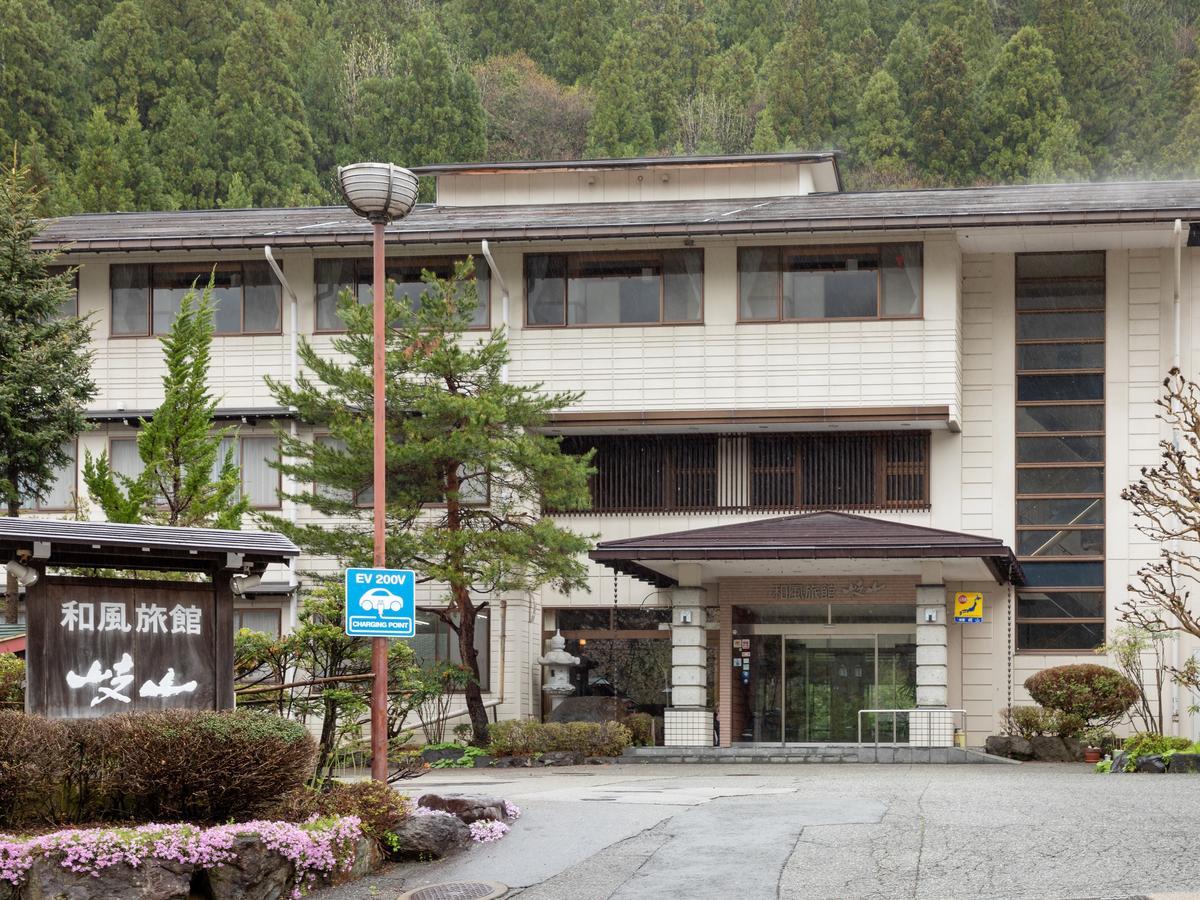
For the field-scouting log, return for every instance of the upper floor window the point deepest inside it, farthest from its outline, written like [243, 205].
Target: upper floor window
[146, 298]
[332, 276]
[655, 287]
[253, 455]
[768, 472]
[795, 284]
[70, 306]
[60, 496]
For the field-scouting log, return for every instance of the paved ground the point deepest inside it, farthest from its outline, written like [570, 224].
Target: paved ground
[823, 831]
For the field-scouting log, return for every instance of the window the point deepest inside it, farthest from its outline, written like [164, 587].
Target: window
[332, 276]
[436, 641]
[734, 473]
[252, 455]
[146, 298]
[1060, 450]
[70, 306]
[264, 621]
[657, 287]
[60, 495]
[795, 284]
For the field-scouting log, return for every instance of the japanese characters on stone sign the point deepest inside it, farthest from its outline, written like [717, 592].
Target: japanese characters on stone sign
[123, 649]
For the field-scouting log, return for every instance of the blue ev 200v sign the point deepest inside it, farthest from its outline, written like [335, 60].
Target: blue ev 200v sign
[380, 603]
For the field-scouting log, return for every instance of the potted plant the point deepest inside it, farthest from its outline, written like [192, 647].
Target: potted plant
[1095, 740]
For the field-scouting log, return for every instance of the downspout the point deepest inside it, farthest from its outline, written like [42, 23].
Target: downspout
[294, 323]
[1177, 440]
[495, 270]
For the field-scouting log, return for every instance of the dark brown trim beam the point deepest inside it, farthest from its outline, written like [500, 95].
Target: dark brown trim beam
[745, 417]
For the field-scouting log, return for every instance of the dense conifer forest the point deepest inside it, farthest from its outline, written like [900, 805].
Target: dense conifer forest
[165, 104]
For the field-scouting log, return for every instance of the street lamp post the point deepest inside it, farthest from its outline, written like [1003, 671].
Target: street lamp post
[380, 193]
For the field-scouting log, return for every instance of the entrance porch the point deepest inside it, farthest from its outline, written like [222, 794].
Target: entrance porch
[816, 619]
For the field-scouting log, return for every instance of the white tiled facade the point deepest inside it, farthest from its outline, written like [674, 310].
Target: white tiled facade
[959, 355]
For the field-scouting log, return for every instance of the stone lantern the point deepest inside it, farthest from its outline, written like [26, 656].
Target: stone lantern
[557, 684]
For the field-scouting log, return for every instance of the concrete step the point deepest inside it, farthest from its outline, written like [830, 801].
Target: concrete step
[813, 753]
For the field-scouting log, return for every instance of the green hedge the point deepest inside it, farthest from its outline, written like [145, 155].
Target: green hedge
[526, 737]
[170, 766]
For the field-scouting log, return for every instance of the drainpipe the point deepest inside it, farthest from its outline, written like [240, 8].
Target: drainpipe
[487, 254]
[495, 270]
[294, 324]
[1177, 440]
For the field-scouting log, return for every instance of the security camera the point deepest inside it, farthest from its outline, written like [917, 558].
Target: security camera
[241, 584]
[26, 575]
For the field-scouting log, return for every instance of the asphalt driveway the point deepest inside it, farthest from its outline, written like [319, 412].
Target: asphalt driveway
[823, 831]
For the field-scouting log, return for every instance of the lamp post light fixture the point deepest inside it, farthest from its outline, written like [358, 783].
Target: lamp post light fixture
[380, 193]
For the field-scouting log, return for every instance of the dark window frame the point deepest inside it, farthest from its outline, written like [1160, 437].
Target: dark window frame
[238, 610]
[830, 249]
[219, 265]
[1098, 283]
[62, 270]
[571, 261]
[364, 278]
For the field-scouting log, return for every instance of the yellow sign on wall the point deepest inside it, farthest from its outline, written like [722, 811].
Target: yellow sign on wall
[968, 607]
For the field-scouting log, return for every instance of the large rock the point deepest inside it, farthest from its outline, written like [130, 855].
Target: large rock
[467, 807]
[1120, 759]
[1010, 747]
[512, 762]
[1152, 764]
[1182, 763]
[590, 709]
[152, 880]
[1074, 749]
[423, 837]
[1051, 749]
[256, 874]
[561, 758]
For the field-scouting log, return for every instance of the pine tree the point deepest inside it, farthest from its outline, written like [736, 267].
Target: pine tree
[799, 81]
[454, 424]
[184, 481]
[620, 124]
[944, 124]
[1021, 107]
[883, 134]
[260, 117]
[45, 360]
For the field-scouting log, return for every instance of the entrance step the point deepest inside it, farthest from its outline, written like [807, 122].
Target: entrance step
[813, 753]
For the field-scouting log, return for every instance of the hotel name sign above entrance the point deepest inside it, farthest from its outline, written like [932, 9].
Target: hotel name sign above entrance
[869, 589]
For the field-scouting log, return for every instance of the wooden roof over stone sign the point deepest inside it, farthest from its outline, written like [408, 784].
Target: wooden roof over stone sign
[818, 535]
[65, 543]
[1125, 204]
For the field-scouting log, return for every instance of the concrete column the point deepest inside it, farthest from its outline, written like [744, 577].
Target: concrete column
[931, 726]
[688, 722]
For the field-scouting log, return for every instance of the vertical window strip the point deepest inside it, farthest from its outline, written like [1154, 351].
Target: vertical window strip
[1060, 300]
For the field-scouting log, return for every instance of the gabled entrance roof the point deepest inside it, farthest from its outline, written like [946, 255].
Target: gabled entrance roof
[819, 535]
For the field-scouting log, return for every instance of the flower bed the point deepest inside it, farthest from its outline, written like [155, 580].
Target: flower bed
[315, 850]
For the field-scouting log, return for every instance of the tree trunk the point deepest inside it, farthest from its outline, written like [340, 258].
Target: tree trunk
[470, 658]
[11, 594]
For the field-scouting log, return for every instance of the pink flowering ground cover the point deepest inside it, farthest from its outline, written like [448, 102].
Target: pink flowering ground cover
[318, 848]
[483, 831]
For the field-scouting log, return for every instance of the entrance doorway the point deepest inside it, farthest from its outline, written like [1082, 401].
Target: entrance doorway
[808, 688]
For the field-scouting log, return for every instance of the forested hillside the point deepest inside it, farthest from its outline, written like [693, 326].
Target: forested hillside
[157, 104]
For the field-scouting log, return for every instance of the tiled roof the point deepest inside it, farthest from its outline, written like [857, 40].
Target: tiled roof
[823, 213]
[819, 535]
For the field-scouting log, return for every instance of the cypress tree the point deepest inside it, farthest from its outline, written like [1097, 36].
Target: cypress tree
[799, 81]
[944, 124]
[620, 124]
[45, 360]
[883, 134]
[101, 180]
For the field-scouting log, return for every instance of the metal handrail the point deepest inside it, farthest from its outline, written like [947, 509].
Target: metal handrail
[895, 713]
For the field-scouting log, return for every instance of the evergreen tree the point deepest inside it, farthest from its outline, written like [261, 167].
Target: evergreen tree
[237, 195]
[977, 31]
[191, 167]
[843, 21]
[260, 116]
[620, 124]
[905, 60]
[426, 109]
[799, 81]
[578, 39]
[45, 360]
[944, 124]
[1022, 106]
[454, 423]
[731, 75]
[145, 179]
[883, 134]
[851, 72]
[185, 480]
[766, 138]
[125, 68]
[101, 180]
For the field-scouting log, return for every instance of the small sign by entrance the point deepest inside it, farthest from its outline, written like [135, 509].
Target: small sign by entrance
[380, 603]
[968, 607]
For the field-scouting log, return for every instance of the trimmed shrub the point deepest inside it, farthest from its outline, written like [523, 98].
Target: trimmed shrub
[1096, 694]
[526, 737]
[168, 766]
[12, 681]
[379, 807]
[1035, 721]
[641, 726]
